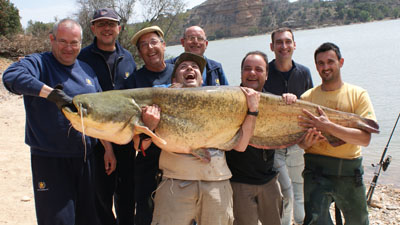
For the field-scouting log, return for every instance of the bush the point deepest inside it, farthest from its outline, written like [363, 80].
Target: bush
[21, 45]
[9, 18]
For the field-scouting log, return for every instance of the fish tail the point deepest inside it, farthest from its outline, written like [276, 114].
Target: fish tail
[369, 125]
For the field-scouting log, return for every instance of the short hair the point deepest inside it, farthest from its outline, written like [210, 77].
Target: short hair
[69, 22]
[281, 30]
[260, 53]
[327, 46]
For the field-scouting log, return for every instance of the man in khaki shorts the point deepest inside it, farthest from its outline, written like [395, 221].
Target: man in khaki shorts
[192, 190]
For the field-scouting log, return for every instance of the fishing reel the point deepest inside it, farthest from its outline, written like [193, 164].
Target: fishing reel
[386, 163]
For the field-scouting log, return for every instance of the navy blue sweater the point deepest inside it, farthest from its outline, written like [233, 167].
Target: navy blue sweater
[299, 80]
[47, 131]
[146, 78]
[124, 66]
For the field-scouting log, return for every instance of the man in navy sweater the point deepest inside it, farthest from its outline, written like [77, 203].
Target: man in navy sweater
[287, 76]
[113, 66]
[155, 72]
[62, 163]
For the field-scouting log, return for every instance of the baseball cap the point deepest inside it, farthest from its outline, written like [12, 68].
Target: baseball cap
[146, 30]
[105, 13]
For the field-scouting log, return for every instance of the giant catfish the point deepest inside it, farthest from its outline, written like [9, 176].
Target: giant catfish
[198, 118]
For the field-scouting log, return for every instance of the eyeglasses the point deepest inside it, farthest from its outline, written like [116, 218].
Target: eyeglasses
[63, 43]
[194, 38]
[152, 43]
[109, 23]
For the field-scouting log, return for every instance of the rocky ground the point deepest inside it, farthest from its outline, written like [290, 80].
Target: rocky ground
[17, 204]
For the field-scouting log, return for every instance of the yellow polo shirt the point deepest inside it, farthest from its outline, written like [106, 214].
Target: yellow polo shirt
[349, 98]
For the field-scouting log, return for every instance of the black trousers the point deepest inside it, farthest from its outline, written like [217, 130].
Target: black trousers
[118, 186]
[146, 184]
[63, 189]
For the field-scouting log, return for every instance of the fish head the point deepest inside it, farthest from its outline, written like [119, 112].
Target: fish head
[109, 116]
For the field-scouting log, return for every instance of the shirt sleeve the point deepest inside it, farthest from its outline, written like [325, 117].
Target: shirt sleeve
[364, 106]
[22, 77]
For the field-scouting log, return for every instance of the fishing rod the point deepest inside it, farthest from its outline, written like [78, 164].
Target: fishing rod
[382, 165]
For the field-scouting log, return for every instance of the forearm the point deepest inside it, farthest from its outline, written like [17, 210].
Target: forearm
[246, 132]
[349, 135]
[107, 145]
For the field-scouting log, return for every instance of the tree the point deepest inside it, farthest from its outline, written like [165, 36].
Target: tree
[165, 13]
[124, 9]
[38, 29]
[9, 18]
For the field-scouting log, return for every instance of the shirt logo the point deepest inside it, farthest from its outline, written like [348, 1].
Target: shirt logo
[89, 82]
[42, 186]
[126, 74]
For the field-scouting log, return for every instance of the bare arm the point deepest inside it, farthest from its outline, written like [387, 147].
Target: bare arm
[110, 162]
[249, 123]
[322, 123]
[151, 117]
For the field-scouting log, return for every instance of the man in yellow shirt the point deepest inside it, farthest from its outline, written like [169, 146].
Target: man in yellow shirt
[334, 173]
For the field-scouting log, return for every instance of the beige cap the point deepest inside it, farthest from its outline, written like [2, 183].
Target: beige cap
[146, 30]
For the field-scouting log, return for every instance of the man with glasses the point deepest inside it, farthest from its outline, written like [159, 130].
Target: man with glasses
[62, 165]
[195, 41]
[114, 163]
[155, 72]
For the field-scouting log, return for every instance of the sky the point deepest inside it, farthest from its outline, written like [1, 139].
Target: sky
[47, 10]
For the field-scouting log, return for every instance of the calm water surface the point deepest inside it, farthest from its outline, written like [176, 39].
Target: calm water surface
[371, 55]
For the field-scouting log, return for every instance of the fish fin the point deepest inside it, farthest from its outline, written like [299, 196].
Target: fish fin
[138, 129]
[202, 154]
[369, 126]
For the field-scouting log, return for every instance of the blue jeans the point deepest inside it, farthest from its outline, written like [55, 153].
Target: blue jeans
[289, 162]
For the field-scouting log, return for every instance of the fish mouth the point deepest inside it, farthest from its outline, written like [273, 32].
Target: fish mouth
[75, 112]
[75, 108]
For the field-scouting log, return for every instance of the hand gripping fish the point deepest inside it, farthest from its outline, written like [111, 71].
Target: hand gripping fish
[198, 118]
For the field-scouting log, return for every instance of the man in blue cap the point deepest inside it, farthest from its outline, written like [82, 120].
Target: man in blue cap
[114, 175]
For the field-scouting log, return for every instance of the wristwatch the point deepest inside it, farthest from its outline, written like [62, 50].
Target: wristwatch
[252, 113]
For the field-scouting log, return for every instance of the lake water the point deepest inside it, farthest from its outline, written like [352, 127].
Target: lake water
[371, 53]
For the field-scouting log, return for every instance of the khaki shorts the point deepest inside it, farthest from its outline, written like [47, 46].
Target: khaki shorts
[182, 202]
